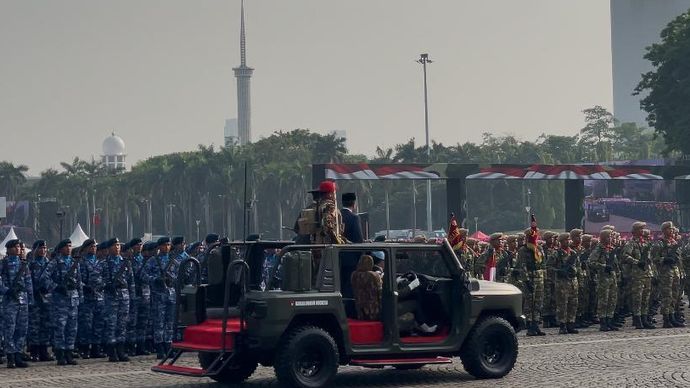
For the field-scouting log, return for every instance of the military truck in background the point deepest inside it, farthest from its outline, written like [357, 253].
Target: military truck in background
[298, 317]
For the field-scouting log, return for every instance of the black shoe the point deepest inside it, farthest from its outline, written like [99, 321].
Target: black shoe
[148, 345]
[69, 357]
[563, 329]
[84, 352]
[595, 320]
[43, 354]
[537, 329]
[60, 355]
[611, 326]
[33, 352]
[675, 322]
[637, 322]
[603, 326]
[160, 350]
[10, 361]
[111, 352]
[121, 353]
[667, 322]
[646, 322]
[96, 352]
[141, 349]
[570, 327]
[19, 361]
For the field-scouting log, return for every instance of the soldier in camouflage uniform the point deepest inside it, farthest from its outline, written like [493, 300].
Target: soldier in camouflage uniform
[655, 294]
[589, 300]
[330, 227]
[63, 278]
[667, 255]
[530, 269]
[566, 286]
[140, 302]
[549, 279]
[641, 276]
[161, 272]
[490, 258]
[603, 260]
[582, 278]
[17, 291]
[686, 267]
[472, 247]
[512, 276]
[39, 312]
[368, 287]
[679, 315]
[119, 285]
[91, 325]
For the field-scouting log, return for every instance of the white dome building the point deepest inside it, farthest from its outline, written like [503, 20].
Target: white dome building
[114, 152]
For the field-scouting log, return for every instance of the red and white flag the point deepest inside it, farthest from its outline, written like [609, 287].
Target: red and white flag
[490, 269]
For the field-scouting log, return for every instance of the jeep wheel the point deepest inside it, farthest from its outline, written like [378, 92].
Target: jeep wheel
[233, 373]
[307, 358]
[491, 349]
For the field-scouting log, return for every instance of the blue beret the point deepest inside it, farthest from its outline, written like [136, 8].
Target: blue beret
[163, 240]
[12, 243]
[125, 247]
[134, 241]
[211, 238]
[63, 244]
[111, 242]
[378, 255]
[149, 245]
[193, 246]
[38, 244]
[177, 240]
[89, 242]
[100, 246]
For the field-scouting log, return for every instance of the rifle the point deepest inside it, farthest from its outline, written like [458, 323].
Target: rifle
[137, 276]
[121, 282]
[609, 260]
[38, 295]
[69, 277]
[568, 268]
[16, 287]
[165, 274]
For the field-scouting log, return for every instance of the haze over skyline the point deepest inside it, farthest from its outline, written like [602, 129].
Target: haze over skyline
[159, 73]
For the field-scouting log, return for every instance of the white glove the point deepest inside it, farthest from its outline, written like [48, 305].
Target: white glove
[413, 284]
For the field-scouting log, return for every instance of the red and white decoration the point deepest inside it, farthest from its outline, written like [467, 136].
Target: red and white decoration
[364, 171]
[540, 171]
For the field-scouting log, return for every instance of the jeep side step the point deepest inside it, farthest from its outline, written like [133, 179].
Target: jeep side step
[399, 361]
[179, 370]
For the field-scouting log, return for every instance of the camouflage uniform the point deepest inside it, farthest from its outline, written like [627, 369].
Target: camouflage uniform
[589, 296]
[161, 272]
[119, 285]
[367, 286]
[39, 312]
[566, 285]
[666, 253]
[604, 261]
[91, 311]
[63, 278]
[141, 302]
[331, 225]
[641, 279]
[531, 272]
[17, 291]
[550, 257]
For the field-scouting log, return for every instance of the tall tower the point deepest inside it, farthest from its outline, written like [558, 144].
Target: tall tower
[243, 73]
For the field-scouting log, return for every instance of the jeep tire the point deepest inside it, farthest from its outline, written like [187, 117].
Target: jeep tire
[491, 349]
[307, 357]
[233, 373]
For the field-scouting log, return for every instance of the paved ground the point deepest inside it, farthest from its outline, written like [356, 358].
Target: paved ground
[649, 358]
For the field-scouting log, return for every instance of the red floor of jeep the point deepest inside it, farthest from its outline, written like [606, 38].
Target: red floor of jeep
[371, 333]
[207, 335]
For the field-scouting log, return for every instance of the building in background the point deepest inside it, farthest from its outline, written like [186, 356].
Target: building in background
[635, 25]
[114, 155]
[243, 73]
[230, 133]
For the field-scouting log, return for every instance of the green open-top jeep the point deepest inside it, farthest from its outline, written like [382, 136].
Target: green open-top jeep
[293, 307]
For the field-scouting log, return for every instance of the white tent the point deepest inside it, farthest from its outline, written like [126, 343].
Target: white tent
[78, 236]
[10, 236]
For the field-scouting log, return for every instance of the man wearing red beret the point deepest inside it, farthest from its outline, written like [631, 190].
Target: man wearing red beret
[331, 225]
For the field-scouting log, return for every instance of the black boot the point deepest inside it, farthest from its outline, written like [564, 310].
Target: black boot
[609, 323]
[637, 322]
[160, 349]
[675, 322]
[647, 323]
[563, 329]
[60, 356]
[111, 352]
[10, 360]
[33, 351]
[19, 361]
[603, 326]
[2, 357]
[571, 328]
[69, 357]
[141, 349]
[149, 346]
[131, 349]
[121, 353]
[96, 351]
[667, 322]
[43, 354]
[595, 320]
[84, 352]
[537, 329]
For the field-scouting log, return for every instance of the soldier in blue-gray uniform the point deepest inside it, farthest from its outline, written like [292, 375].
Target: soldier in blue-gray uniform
[119, 285]
[63, 279]
[162, 271]
[39, 312]
[17, 291]
[145, 327]
[140, 303]
[91, 323]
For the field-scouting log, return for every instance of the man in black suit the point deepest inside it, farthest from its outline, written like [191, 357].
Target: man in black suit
[353, 227]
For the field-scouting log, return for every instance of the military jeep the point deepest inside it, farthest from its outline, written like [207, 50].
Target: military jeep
[298, 314]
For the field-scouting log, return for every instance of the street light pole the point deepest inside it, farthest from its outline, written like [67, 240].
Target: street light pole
[198, 222]
[170, 219]
[424, 59]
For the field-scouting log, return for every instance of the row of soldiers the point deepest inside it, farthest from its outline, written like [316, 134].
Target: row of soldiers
[93, 301]
[572, 280]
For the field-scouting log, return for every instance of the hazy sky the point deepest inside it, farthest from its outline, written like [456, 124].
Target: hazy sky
[159, 73]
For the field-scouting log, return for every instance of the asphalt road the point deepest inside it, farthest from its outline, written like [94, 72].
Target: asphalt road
[639, 358]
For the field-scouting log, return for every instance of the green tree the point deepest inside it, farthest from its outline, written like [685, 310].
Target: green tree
[597, 133]
[668, 85]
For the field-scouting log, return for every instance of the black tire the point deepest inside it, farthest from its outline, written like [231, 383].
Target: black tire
[491, 349]
[307, 357]
[233, 373]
